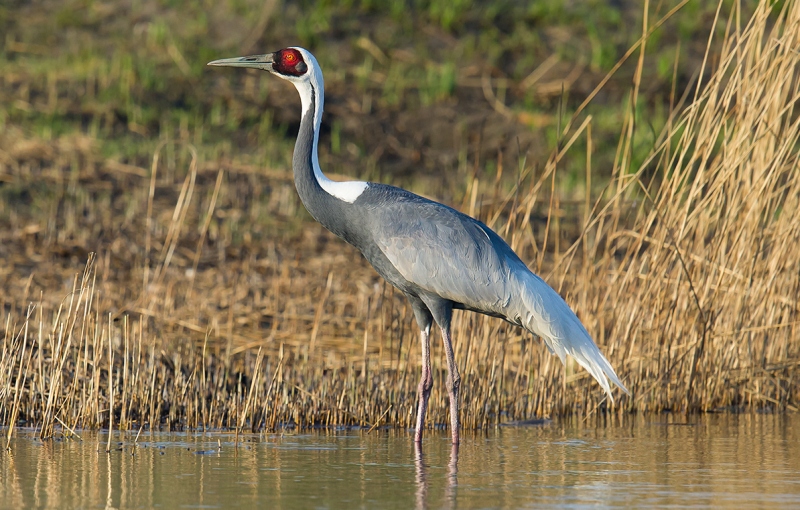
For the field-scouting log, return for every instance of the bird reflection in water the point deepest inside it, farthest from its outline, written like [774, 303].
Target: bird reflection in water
[421, 477]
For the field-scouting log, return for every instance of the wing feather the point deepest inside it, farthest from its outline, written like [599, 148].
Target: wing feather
[447, 253]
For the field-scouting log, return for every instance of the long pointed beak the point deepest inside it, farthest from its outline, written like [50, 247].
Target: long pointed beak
[253, 61]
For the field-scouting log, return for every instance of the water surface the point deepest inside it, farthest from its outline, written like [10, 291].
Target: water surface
[717, 460]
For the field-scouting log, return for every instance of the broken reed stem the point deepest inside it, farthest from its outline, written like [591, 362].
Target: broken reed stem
[69, 428]
[380, 418]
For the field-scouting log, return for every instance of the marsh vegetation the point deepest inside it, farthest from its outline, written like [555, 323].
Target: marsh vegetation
[160, 272]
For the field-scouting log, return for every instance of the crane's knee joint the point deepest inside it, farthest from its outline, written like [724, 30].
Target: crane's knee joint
[426, 383]
[454, 383]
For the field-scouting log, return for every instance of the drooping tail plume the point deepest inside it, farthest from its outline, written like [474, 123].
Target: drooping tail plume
[543, 312]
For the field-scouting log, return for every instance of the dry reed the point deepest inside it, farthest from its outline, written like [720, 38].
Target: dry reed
[210, 306]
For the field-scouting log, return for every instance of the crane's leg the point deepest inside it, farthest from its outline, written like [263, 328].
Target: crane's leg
[442, 311]
[453, 382]
[425, 383]
[424, 320]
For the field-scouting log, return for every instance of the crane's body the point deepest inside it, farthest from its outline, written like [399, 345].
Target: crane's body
[439, 258]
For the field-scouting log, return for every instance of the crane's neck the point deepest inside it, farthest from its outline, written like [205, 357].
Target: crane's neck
[323, 197]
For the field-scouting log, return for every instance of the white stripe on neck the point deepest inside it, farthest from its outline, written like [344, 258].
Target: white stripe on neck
[347, 191]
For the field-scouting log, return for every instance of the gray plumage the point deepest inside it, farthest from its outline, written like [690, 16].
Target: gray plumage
[429, 249]
[438, 257]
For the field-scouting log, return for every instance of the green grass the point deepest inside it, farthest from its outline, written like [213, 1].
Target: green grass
[130, 75]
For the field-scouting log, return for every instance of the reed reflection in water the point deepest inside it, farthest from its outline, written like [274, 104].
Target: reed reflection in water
[715, 460]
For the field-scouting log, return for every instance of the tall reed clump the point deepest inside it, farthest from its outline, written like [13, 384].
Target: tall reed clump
[686, 270]
[211, 305]
[704, 285]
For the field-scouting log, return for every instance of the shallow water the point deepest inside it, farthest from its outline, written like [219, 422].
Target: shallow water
[717, 460]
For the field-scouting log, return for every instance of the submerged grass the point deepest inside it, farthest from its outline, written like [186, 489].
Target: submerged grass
[210, 300]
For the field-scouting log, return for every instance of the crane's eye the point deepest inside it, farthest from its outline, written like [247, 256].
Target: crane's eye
[290, 58]
[290, 63]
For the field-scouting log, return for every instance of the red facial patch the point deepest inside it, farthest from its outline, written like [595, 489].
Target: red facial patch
[289, 62]
[289, 57]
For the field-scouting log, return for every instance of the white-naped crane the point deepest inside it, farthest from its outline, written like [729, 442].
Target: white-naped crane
[438, 257]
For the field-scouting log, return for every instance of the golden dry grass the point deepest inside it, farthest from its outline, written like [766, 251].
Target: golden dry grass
[208, 305]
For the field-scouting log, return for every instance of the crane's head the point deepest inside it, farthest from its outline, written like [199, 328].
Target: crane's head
[293, 64]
